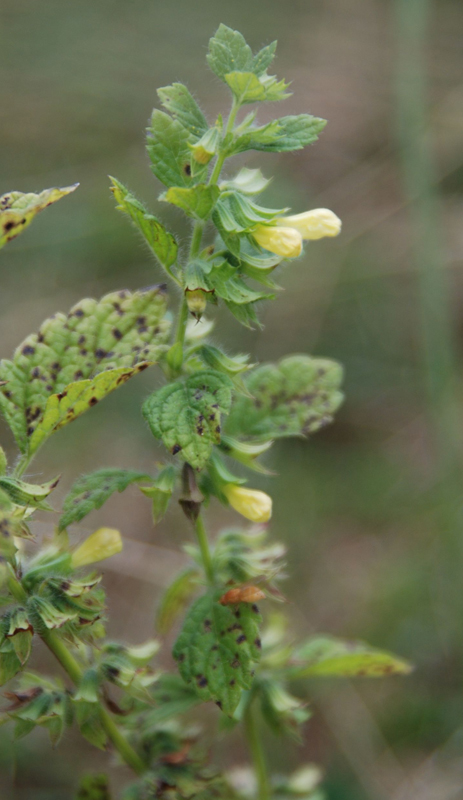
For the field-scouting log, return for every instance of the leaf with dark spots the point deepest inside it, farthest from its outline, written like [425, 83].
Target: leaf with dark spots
[51, 367]
[91, 491]
[207, 654]
[17, 210]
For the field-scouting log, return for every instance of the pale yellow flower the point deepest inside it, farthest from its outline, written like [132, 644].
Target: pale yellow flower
[283, 241]
[103, 543]
[313, 224]
[250, 503]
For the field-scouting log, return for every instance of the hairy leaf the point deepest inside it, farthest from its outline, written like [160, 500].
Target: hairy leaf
[228, 52]
[17, 210]
[187, 415]
[295, 397]
[169, 152]
[326, 656]
[76, 359]
[218, 648]
[92, 491]
[161, 242]
[263, 59]
[197, 201]
[178, 101]
[281, 135]
[171, 697]
[27, 494]
[247, 87]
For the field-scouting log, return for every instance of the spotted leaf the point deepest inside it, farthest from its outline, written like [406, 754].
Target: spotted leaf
[295, 397]
[17, 210]
[187, 415]
[218, 649]
[326, 656]
[92, 491]
[76, 359]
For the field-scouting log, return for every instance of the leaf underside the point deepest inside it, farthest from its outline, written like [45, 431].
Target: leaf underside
[218, 648]
[76, 359]
[91, 491]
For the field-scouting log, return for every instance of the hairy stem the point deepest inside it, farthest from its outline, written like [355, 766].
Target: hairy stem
[22, 465]
[257, 754]
[73, 669]
[204, 547]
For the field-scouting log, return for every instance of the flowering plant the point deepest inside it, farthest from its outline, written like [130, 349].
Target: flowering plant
[217, 415]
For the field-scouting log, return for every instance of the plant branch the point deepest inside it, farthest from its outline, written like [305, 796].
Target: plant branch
[257, 753]
[74, 670]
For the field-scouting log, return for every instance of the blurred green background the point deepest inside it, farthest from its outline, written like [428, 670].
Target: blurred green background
[371, 507]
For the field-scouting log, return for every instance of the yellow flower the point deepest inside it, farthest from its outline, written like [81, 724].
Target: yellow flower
[196, 302]
[104, 543]
[283, 241]
[250, 503]
[313, 224]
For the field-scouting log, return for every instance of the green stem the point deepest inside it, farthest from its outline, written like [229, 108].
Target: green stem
[257, 754]
[22, 465]
[204, 547]
[222, 156]
[73, 669]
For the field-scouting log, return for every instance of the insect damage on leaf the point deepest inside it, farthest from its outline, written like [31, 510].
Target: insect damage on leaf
[218, 649]
[76, 359]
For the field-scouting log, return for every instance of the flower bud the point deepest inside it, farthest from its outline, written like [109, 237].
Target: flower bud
[196, 301]
[104, 543]
[283, 241]
[251, 503]
[207, 147]
[313, 224]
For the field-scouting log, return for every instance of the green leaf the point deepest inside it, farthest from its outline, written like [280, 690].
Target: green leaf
[280, 136]
[17, 210]
[325, 656]
[245, 314]
[160, 491]
[88, 720]
[76, 359]
[218, 648]
[198, 201]
[175, 599]
[10, 664]
[233, 289]
[247, 87]
[161, 242]
[178, 101]
[228, 52]
[295, 397]
[263, 59]
[20, 634]
[27, 494]
[171, 697]
[187, 415]
[91, 492]
[169, 152]
[94, 787]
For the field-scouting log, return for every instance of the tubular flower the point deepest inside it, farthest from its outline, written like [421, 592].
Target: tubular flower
[250, 503]
[313, 224]
[283, 241]
[104, 543]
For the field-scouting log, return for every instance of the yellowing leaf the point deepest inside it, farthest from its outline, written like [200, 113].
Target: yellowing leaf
[17, 210]
[326, 656]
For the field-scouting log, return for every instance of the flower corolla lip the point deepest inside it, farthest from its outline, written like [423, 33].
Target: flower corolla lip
[315, 224]
[284, 241]
[250, 503]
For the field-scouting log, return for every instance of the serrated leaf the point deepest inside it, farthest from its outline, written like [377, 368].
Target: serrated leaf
[178, 101]
[218, 648]
[230, 287]
[83, 355]
[187, 415]
[295, 397]
[228, 52]
[281, 135]
[197, 201]
[161, 242]
[17, 209]
[169, 152]
[247, 87]
[326, 656]
[171, 697]
[245, 314]
[91, 492]
[263, 59]
[175, 599]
